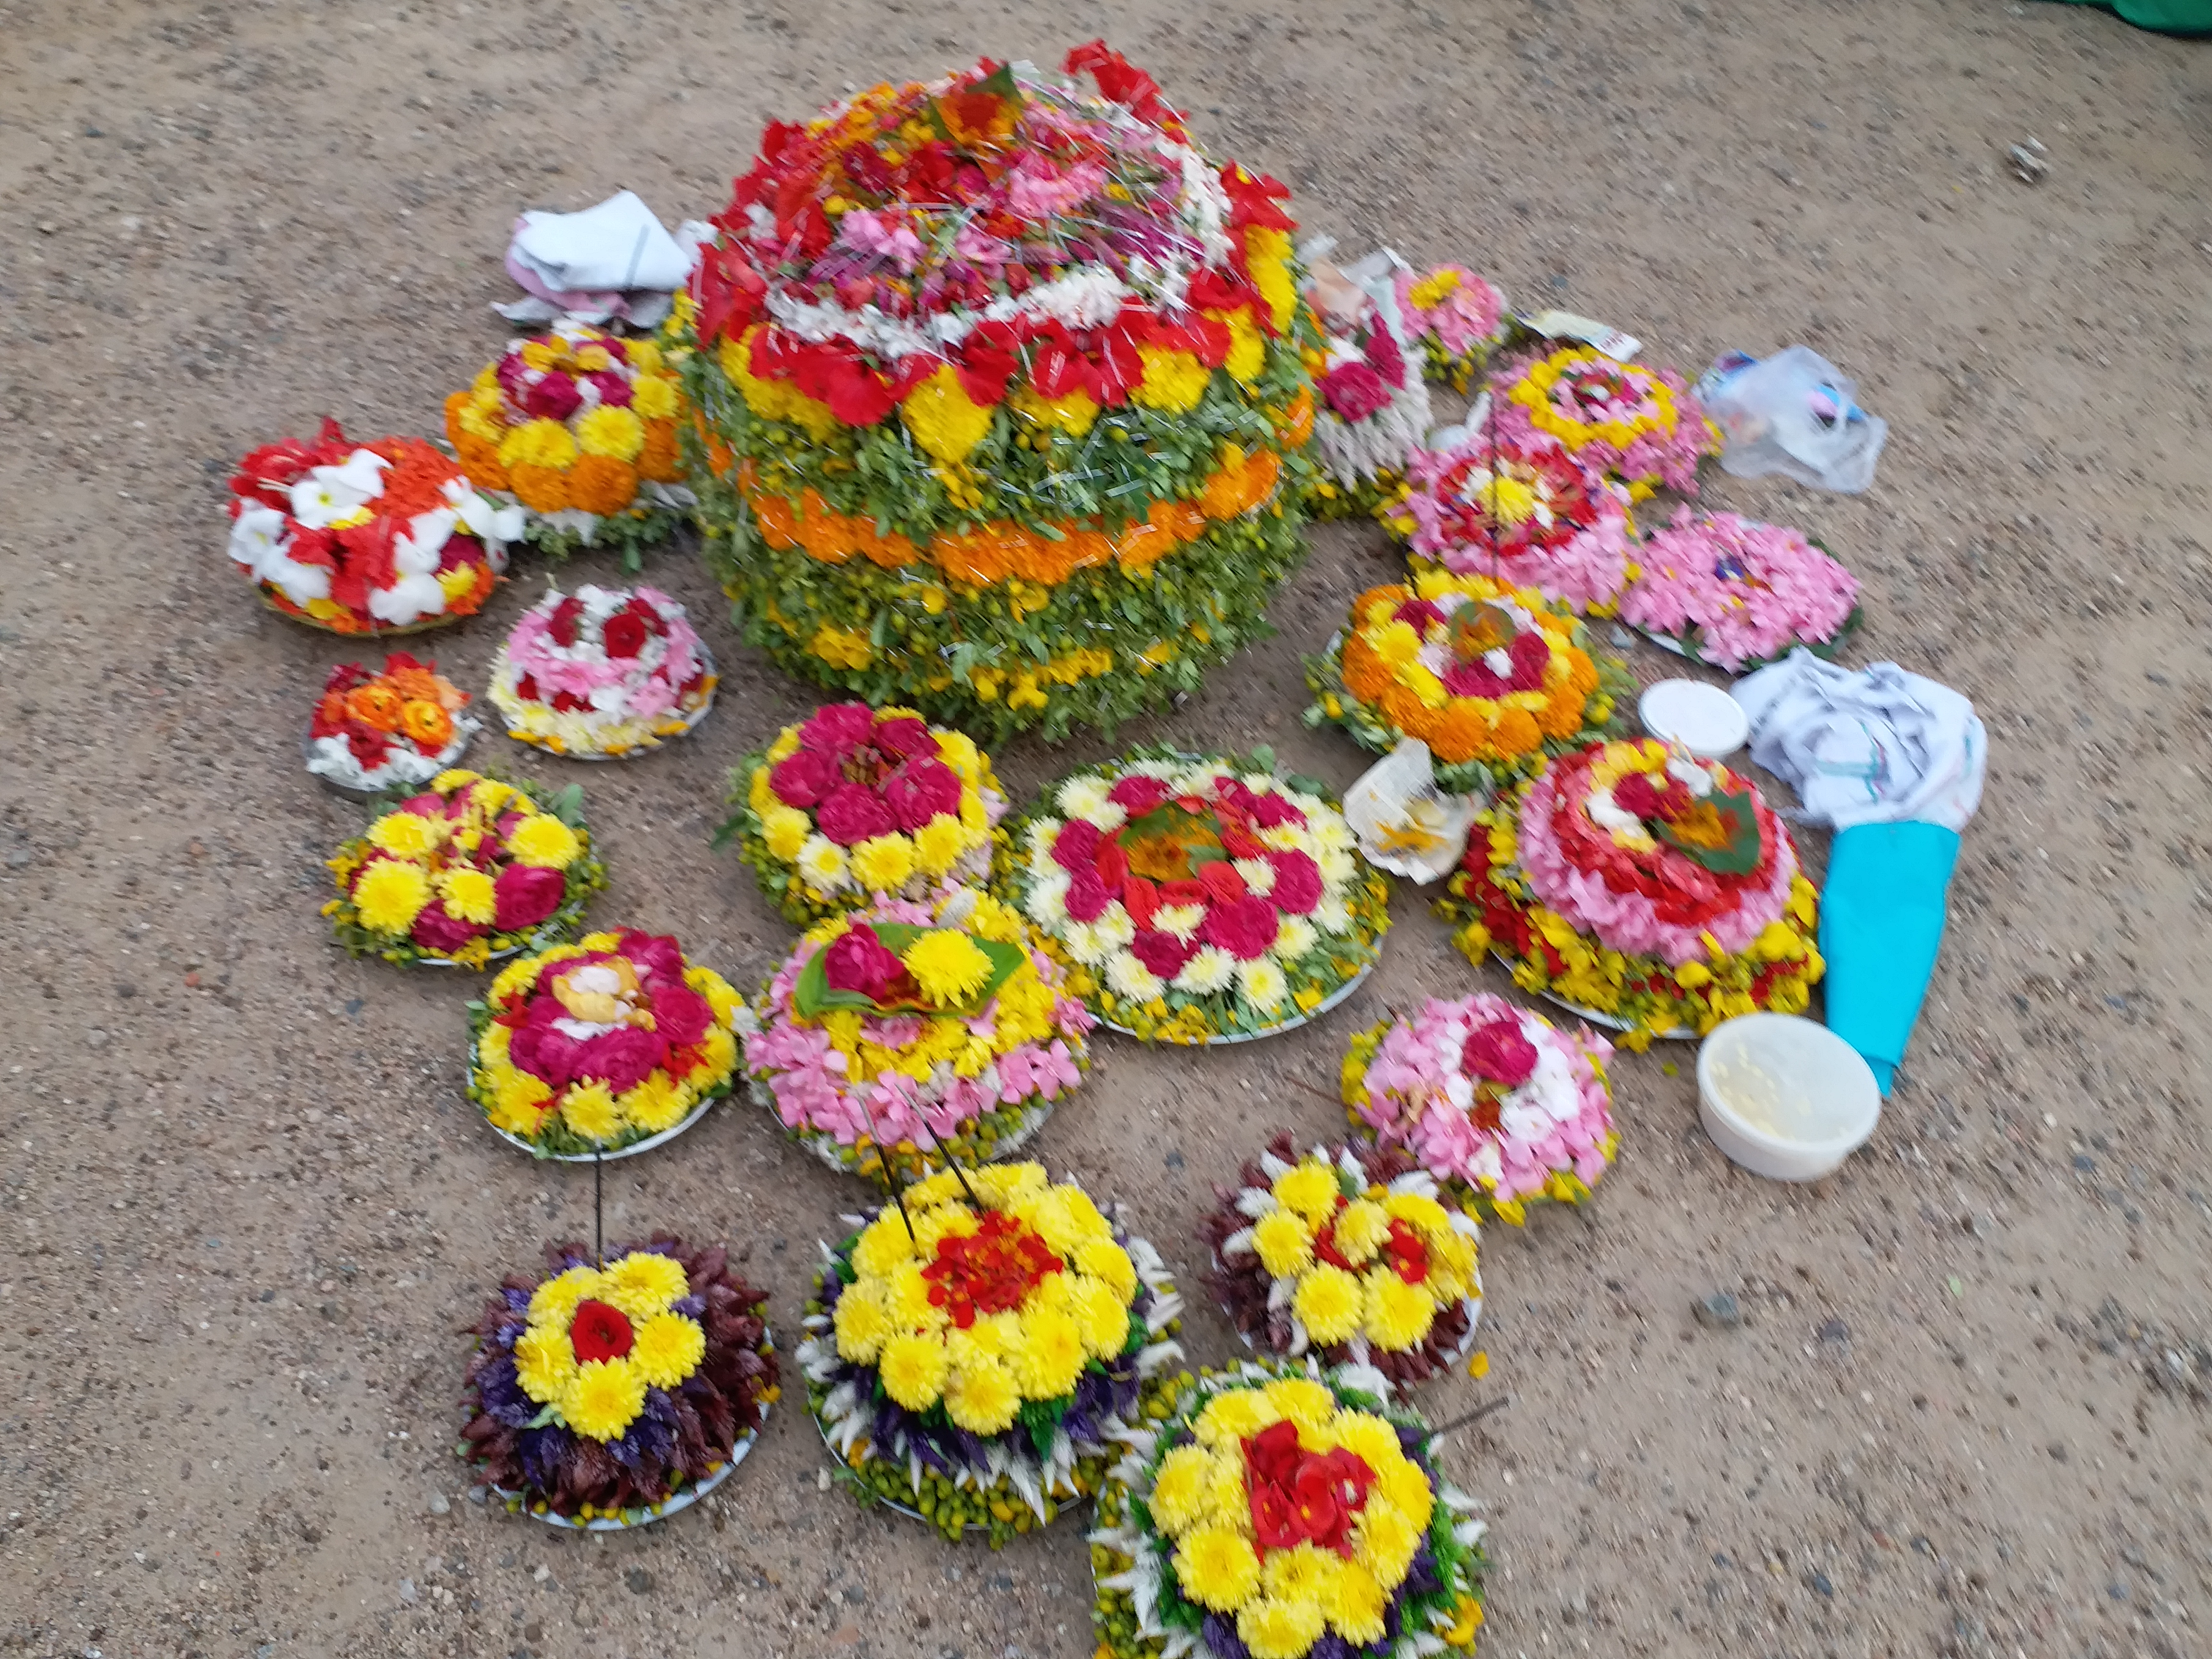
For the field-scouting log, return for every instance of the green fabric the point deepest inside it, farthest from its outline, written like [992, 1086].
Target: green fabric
[2162, 16]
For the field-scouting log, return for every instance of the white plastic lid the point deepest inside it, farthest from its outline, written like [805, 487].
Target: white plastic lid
[1703, 719]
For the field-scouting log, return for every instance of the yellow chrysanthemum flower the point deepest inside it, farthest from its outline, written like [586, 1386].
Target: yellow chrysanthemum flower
[643, 1283]
[655, 1105]
[610, 430]
[409, 835]
[913, 1370]
[390, 895]
[1182, 1491]
[543, 840]
[784, 829]
[603, 1399]
[948, 965]
[655, 397]
[1424, 1215]
[944, 420]
[1400, 1483]
[1217, 1569]
[516, 1097]
[884, 1244]
[1310, 1188]
[1398, 1315]
[470, 895]
[1276, 1628]
[1103, 1316]
[882, 864]
[545, 1362]
[1330, 1304]
[1173, 380]
[667, 1348]
[983, 1398]
[906, 1300]
[1356, 1603]
[1233, 1417]
[1383, 1540]
[939, 844]
[862, 1328]
[1110, 1263]
[1284, 1243]
[1360, 1228]
[538, 443]
[1052, 1354]
[553, 1302]
[1306, 1402]
[588, 1109]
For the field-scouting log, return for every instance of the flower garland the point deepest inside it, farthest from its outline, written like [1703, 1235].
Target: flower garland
[469, 868]
[397, 728]
[972, 1352]
[1738, 594]
[596, 1046]
[1271, 1513]
[1491, 679]
[606, 673]
[1346, 1254]
[855, 801]
[578, 427]
[382, 538]
[1453, 316]
[1653, 889]
[981, 364]
[1642, 426]
[1373, 408]
[940, 1031]
[1524, 512]
[613, 1393]
[1495, 1100]
[1199, 899]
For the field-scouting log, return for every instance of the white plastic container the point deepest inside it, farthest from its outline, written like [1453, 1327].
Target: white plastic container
[1785, 1097]
[1703, 719]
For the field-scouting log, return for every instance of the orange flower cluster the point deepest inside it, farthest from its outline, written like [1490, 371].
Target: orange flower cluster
[1002, 549]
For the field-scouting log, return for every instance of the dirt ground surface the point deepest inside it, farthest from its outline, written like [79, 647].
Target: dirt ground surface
[245, 1209]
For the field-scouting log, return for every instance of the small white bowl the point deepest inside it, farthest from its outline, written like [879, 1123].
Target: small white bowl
[1785, 1097]
[1703, 719]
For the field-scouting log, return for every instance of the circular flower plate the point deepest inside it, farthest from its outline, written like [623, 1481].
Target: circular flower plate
[630, 1150]
[869, 1494]
[631, 1519]
[692, 719]
[1335, 997]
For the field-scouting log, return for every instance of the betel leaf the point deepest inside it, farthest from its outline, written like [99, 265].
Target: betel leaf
[812, 996]
[1720, 832]
[569, 806]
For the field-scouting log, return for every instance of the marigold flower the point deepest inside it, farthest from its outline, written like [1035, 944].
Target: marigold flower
[541, 488]
[375, 704]
[601, 483]
[426, 722]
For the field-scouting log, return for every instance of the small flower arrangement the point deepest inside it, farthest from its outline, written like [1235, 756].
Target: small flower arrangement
[854, 801]
[578, 428]
[1492, 1099]
[1646, 888]
[917, 1032]
[1520, 511]
[1199, 899]
[1491, 678]
[1642, 426]
[1373, 406]
[392, 728]
[1348, 1255]
[471, 868]
[382, 538]
[972, 1352]
[1453, 316]
[591, 1048]
[602, 673]
[1738, 594]
[609, 1397]
[1267, 1512]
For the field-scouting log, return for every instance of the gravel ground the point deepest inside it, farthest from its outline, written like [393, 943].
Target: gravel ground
[246, 1209]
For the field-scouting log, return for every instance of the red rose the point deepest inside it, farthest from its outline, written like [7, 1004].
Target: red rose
[1076, 847]
[1635, 794]
[524, 895]
[1354, 391]
[1182, 892]
[561, 626]
[614, 391]
[1244, 928]
[623, 637]
[680, 1015]
[1419, 615]
[852, 813]
[599, 1331]
[554, 397]
[837, 729]
[1298, 887]
[1499, 1051]
[803, 779]
[1531, 657]
[1138, 795]
[1087, 897]
[857, 960]
[622, 1058]
[922, 790]
[907, 737]
[1141, 899]
[435, 930]
[1163, 953]
[1222, 884]
[1112, 864]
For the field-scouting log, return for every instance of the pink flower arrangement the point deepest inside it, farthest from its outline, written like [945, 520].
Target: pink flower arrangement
[1738, 593]
[1526, 512]
[1643, 426]
[1489, 1095]
[602, 672]
[1451, 313]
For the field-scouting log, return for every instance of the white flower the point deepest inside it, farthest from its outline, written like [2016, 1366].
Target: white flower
[1692, 776]
[329, 494]
[1161, 769]
[1287, 838]
[1208, 970]
[297, 583]
[415, 553]
[1194, 780]
[1338, 867]
[1259, 876]
[1129, 977]
[1041, 838]
[1084, 944]
[1259, 783]
[256, 534]
[411, 595]
[1294, 938]
[1333, 915]
[1609, 816]
[1117, 927]
[1084, 796]
[822, 864]
[1046, 903]
[1180, 920]
[1312, 806]
[486, 519]
[1329, 830]
[1263, 984]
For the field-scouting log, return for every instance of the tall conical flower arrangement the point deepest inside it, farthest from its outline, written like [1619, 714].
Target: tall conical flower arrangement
[1001, 389]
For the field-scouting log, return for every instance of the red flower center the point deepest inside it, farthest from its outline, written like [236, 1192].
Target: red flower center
[1300, 1497]
[992, 1270]
[599, 1331]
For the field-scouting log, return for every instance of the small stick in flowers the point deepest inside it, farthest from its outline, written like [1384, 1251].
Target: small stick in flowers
[884, 1165]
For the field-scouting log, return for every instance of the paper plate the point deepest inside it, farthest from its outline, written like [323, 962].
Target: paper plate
[681, 1500]
[825, 1147]
[630, 1150]
[1327, 1002]
[690, 725]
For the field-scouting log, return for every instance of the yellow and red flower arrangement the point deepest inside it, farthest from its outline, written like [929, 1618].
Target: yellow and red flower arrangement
[1349, 1256]
[1642, 426]
[974, 1351]
[902, 1035]
[591, 1048]
[397, 727]
[608, 1395]
[1633, 882]
[1491, 678]
[382, 537]
[854, 801]
[578, 427]
[1269, 1512]
[469, 868]
[999, 386]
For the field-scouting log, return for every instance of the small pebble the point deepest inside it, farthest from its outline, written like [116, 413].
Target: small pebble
[439, 1505]
[1718, 1311]
[407, 1592]
[639, 1581]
